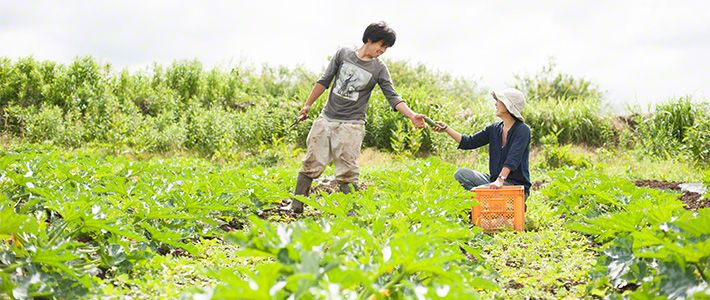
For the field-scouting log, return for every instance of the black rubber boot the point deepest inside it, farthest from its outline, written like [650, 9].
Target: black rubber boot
[303, 186]
[345, 187]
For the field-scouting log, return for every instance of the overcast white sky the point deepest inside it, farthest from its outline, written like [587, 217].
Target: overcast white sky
[636, 51]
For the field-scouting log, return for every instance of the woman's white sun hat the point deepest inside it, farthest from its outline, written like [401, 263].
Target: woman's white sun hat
[513, 99]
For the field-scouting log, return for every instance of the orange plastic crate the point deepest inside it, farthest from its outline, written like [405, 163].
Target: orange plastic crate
[499, 208]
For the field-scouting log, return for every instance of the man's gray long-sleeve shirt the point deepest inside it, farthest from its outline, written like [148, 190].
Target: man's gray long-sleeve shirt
[354, 81]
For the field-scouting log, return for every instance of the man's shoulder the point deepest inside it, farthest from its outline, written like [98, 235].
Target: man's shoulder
[345, 50]
[380, 64]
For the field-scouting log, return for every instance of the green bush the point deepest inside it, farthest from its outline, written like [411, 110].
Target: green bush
[184, 106]
[161, 134]
[140, 89]
[6, 92]
[252, 107]
[556, 156]
[698, 142]
[675, 117]
[582, 121]
[697, 138]
[47, 124]
[677, 127]
[27, 82]
[75, 129]
[558, 100]
[210, 129]
[83, 81]
[185, 78]
[550, 84]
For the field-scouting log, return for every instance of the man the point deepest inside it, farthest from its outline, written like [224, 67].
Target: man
[508, 145]
[337, 134]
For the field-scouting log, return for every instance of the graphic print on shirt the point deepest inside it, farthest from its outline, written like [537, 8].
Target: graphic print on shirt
[351, 80]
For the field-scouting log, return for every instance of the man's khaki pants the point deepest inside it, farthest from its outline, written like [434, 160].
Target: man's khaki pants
[336, 141]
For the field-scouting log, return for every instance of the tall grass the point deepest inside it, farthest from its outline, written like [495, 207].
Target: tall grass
[677, 127]
[550, 84]
[568, 107]
[573, 121]
[184, 106]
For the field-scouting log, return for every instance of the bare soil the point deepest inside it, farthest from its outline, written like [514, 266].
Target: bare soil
[692, 201]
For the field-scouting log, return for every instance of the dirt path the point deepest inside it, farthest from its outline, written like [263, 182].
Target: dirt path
[693, 201]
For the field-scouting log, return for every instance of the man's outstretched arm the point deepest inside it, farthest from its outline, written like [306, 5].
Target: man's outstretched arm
[417, 119]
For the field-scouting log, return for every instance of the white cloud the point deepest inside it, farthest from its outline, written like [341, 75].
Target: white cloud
[639, 51]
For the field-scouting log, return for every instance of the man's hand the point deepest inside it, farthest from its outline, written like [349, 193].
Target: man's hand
[303, 114]
[417, 120]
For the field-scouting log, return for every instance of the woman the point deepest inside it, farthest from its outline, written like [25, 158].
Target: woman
[508, 145]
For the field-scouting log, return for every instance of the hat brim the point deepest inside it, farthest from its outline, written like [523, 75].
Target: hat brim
[508, 104]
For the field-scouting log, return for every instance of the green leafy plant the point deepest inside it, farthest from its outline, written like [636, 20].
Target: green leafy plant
[650, 244]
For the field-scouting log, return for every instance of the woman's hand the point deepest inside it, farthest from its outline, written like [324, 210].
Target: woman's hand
[441, 126]
[496, 184]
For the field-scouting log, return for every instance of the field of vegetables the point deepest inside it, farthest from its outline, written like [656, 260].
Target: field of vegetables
[96, 223]
[173, 182]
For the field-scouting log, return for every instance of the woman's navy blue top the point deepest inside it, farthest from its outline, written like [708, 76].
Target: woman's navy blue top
[514, 154]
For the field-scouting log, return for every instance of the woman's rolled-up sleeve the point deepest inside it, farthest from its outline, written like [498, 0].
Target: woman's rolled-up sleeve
[479, 139]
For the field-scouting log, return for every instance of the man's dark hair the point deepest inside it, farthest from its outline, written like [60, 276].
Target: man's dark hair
[379, 32]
